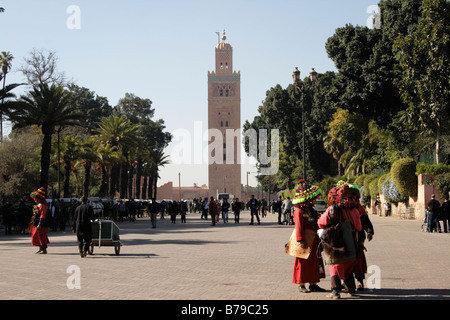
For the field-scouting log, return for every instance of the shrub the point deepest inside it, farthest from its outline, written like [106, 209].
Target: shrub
[442, 181]
[373, 186]
[403, 173]
[359, 181]
[381, 180]
[433, 169]
[390, 191]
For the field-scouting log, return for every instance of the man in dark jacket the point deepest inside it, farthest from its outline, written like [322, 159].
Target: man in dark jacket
[434, 206]
[82, 225]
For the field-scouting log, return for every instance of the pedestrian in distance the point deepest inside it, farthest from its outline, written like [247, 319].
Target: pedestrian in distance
[174, 209]
[434, 207]
[82, 225]
[225, 208]
[253, 204]
[204, 207]
[445, 213]
[154, 210]
[236, 207]
[39, 233]
[213, 210]
[183, 210]
[278, 206]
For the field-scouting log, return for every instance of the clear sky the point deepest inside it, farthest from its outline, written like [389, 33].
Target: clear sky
[163, 50]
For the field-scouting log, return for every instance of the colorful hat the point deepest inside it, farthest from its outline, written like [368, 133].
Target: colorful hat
[340, 196]
[304, 193]
[39, 195]
[355, 193]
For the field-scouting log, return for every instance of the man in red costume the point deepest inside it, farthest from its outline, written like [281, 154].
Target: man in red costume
[40, 226]
[311, 269]
[341, 211]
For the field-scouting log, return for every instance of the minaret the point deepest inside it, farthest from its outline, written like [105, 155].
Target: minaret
[224, 123]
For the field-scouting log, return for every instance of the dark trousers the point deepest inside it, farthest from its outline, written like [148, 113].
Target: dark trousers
[236, 216]
[254, 212]
[84, 241]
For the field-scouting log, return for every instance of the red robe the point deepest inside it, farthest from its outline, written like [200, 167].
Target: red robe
[309, 270]
[39, 237]
[343, 270]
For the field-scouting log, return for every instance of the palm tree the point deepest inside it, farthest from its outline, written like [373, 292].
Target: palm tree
[5, 64]
[47, 107]
[107, 158]
[70, 149]
[332, 146]
[88, 156]
[120, 133]
[159, 160]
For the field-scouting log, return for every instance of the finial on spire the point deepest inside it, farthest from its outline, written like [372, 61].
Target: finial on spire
[224, 37]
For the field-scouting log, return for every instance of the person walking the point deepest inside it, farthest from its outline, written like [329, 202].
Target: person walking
[154, 210]
[204, 208]
[39, 233]
[236, 207]
[253, 204]
[445, 213]
[434, 206]
[213, 210]
[360, 268]
[82, 225]
[225, 208]
[311, 269]
[287, 210]
[174, 210]
[183, 210]
[278, 206]
[340, 221]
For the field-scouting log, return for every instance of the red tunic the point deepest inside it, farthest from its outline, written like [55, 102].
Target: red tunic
[309, 270]
[343, 270]
[39, 237]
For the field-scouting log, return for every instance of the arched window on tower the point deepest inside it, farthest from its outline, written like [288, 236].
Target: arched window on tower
[221, 66]
[226, 65]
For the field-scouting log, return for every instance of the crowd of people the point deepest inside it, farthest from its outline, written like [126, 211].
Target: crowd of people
[335, 238]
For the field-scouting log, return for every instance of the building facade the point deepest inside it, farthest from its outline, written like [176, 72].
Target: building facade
[224, 123]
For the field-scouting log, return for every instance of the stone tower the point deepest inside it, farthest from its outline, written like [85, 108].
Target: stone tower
[224, 124]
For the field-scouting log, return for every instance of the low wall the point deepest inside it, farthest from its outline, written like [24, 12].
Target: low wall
[415, 207]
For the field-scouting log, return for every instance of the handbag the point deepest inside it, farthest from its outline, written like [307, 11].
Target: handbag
[293, 248]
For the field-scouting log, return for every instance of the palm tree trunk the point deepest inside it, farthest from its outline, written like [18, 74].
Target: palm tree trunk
[45, 157]
[67, 170]
[87, 178]
[144, 188]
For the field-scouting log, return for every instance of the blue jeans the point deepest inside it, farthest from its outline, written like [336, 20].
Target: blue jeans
[225, 216]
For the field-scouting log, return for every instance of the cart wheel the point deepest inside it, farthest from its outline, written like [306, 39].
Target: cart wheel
[91, 250]
[117, 248]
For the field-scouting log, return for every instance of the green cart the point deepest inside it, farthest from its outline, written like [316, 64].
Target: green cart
[105, 233]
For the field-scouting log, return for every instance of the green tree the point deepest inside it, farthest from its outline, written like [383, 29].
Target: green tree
[69, 153]
[47, 107]
[120, 133]
[5, 65]
[424, 57]
[93, 106]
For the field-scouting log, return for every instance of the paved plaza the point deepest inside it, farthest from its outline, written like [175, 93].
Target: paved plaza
[196, 261]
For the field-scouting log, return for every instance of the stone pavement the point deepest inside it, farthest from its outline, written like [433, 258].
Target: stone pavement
[196, 261]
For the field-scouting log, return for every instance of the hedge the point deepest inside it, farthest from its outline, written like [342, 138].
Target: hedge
[403, 173]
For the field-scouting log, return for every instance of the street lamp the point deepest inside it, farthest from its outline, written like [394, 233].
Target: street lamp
[301, 87]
